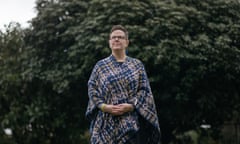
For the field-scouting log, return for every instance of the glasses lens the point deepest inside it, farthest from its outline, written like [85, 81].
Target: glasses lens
[118, 37]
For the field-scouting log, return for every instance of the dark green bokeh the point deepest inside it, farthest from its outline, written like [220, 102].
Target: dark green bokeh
[190, 49]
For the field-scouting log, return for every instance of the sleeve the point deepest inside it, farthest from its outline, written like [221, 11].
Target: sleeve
[94, 93]
[144, 101]
[145, 106]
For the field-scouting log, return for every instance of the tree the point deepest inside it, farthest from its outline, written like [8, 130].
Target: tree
[11, 57]
[190, 50]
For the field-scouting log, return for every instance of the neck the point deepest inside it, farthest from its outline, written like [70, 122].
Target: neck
[120, 56]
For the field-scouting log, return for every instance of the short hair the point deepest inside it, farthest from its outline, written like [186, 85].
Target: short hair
[119, 27]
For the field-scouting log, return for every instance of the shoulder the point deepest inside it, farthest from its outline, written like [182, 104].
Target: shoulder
[135, 61]
[102, 63]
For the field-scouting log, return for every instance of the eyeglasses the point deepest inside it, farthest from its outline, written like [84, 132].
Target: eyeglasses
[117, 37]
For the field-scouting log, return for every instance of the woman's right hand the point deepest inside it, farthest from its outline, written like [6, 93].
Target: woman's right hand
[118, 110]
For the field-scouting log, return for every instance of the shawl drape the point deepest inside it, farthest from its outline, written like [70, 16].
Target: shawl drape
[112, 82]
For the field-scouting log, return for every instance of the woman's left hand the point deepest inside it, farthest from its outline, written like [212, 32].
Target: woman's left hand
[126, 107]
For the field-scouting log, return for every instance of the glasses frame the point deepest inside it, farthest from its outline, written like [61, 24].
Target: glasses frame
[118, 37]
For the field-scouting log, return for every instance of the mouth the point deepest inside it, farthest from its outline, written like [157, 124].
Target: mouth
[117, 45]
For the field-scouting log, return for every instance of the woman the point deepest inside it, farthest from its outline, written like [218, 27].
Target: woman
[121, 107]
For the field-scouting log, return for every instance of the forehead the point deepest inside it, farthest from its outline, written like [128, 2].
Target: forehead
[118, 32]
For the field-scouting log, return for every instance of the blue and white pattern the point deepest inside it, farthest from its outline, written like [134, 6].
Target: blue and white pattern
[112, 82]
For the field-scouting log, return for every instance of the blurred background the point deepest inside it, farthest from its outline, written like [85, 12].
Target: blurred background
[190, 49]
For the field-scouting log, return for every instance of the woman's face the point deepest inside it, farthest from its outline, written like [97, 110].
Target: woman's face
[118, 40]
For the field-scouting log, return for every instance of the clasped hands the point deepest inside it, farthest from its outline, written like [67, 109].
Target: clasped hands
[118, 109]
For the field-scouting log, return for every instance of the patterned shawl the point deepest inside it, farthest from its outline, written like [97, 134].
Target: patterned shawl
[112, 82]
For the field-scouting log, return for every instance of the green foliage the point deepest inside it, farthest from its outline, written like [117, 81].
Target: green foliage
[190, 50]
